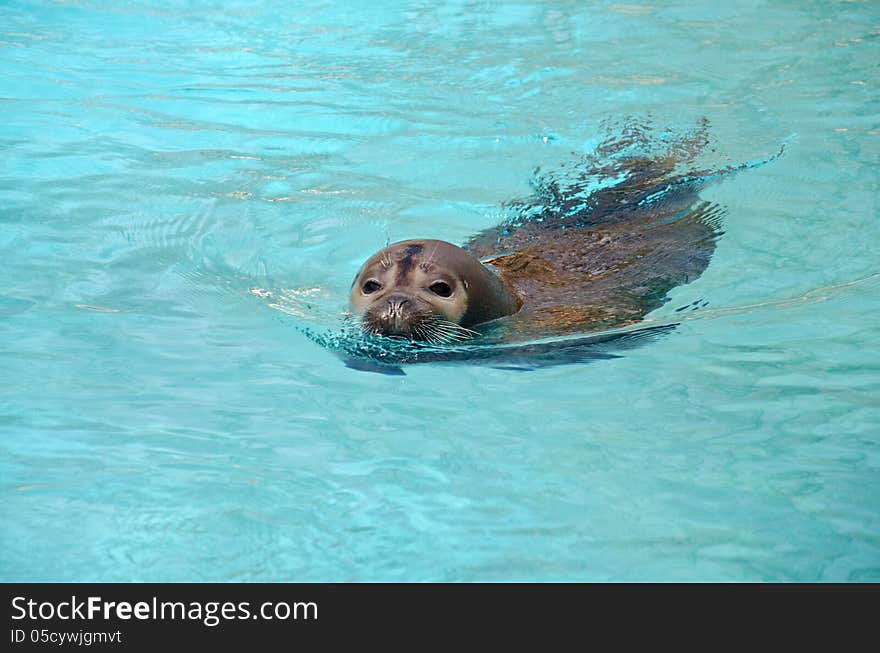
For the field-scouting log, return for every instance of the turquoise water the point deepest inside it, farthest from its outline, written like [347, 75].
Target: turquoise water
[184, 188]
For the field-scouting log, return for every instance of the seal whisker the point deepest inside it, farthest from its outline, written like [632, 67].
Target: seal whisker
[444, 331]
[420, 331]
[455, 330]
[433, 334]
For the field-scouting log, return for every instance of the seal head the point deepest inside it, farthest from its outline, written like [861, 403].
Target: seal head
[428, 290]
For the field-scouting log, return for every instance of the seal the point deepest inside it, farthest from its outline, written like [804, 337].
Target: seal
[580, 255]
[429, 290]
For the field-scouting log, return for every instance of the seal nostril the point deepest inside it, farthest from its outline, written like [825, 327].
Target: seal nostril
[394, 306]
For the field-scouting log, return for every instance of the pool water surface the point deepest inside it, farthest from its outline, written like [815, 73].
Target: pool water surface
[186, 191]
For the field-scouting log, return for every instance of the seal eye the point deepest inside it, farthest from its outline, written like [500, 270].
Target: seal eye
[440, 288]
[370, 286]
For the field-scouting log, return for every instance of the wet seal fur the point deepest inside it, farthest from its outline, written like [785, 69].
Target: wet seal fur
[580, 256]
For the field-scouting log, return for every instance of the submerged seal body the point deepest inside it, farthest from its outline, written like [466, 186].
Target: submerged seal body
[575, 258]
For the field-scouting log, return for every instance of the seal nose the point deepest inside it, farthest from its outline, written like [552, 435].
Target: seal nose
[396, 303]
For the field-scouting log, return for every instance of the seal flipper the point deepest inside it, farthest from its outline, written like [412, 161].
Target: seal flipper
[577, 354]
[581, 350]
[366, 365]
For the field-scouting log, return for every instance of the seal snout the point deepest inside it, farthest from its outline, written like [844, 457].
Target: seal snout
[396, 302]
[397, 322]
[394, 316]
